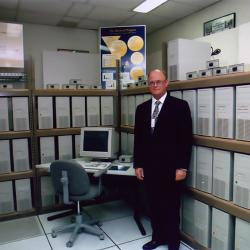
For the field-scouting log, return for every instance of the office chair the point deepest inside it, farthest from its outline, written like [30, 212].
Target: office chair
[71, 181]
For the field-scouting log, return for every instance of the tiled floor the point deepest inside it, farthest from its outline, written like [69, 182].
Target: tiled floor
[121, 232]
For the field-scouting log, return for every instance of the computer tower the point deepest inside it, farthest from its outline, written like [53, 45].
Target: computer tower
[147, 97]
[65, 147]
[243, 112]
[138, 100]
[224, 112]
[78, 111]
[21, 154]
[131, 110]
[177, 94]
[23, 195]
[222, 174]
[124, 110]
[77, 146]
[93, 111]
[190, 97]
[186, 56]
[20, 107]
[205, 112]
[62, 112]
[6, 197]
[45, 112]
[47, 149]
[124, 143]
[188, 215]
[222, 230]
[107, 110]
[5, 166]
[130, 148]
[47, 192]
[204, 169]
[241, 189]
[242, 233]
[191, 177]
[4, 111]
[202, 222]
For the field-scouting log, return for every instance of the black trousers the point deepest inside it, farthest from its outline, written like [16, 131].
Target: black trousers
[164, 205]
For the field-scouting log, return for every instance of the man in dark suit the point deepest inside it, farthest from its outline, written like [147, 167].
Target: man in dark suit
[162, 150]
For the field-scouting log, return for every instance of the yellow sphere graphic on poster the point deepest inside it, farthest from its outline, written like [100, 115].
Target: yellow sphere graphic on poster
[137, 58]
[118, 48]
[135, 43]
[136, 72]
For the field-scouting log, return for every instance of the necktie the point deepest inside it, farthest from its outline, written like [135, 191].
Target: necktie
[156, 112]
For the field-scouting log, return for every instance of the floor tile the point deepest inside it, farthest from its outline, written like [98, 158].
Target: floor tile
[125, 229]
[18, 229]
[37, 243]
[109, 210]
[135, 244]
[48, 225]
[84, 241]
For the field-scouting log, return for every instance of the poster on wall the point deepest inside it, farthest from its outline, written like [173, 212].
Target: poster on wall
[126, 44]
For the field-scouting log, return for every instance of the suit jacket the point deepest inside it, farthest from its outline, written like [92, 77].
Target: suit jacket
[169, 146]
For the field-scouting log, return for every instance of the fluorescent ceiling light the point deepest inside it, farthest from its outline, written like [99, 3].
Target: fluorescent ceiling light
[148, 5]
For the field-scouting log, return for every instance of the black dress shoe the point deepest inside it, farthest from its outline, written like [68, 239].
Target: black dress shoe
[151, 245]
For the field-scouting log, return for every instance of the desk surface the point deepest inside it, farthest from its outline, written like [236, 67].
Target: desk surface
[129, 172]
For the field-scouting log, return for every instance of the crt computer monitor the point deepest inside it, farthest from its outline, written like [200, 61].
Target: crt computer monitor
[98, 142]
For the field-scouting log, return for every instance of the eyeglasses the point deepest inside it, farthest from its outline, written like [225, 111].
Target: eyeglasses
[156, 83]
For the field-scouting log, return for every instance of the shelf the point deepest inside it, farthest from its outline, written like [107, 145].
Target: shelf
[16, 175]
[57, 131]
[214, 81]
[220, 143]
[135, 91]
[15, 134]
[14, 92]
[211, 142]
[17, 215]
[193, 243]
[227, 206]
[74, 92]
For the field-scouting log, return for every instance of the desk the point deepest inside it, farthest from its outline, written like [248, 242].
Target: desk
[130, 173]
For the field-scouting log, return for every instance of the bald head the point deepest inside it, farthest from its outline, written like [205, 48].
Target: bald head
[161, 72]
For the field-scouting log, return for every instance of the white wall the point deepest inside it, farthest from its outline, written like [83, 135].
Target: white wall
[191, 27]
[38, 38]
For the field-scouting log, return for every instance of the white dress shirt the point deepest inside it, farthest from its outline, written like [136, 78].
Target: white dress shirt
[162, 99]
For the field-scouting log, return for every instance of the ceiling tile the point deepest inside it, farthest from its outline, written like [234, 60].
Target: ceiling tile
[37, 18]
[173, 9]
[100, 13]
[79, 10]
[93, 24]
[119, 4]
[53, 7]
[201, 3]
[8, 4]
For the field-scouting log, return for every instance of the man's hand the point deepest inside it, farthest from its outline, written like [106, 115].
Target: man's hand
[180, 174]
[139, 174]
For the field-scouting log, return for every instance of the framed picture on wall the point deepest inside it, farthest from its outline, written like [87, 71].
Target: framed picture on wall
[219, 24]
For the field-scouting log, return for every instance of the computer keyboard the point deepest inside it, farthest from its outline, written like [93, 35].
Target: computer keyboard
[96, 165]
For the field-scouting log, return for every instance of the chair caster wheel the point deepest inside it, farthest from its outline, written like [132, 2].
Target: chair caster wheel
[101, 237]
[53, 234]
[69, 244]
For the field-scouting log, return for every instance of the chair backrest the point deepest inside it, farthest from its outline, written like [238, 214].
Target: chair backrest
[78, 180]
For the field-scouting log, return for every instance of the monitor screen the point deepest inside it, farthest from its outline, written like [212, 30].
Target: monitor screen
[96, 141]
